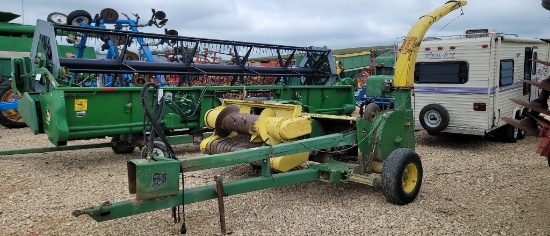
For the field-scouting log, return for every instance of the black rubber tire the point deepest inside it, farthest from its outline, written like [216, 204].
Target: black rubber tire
[545, 4]
[393, 174]
[57, 20]
[521, 133]
[79, 16]
[121, 147]
[158, 148]
[434, 118]
[371, 111]
[9, 118]
[509, 133]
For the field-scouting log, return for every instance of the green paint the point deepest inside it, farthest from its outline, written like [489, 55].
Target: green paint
[90, 112]
[117, 210]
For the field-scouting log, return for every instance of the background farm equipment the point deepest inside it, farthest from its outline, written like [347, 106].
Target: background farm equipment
[280, 134]
[375, 95]
[66, 111]
[16, 41]
[535, 115]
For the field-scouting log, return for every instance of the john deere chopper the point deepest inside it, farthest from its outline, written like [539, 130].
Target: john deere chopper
[280, 134]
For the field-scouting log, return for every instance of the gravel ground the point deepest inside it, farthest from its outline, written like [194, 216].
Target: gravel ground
[472, 186]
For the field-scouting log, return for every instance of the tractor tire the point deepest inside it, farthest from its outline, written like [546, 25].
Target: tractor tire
[434, 118]
[121, 146]
[371, 111]
[402, 176]
[9, 118]
[79, 16]
[158, 148]
[57, 18]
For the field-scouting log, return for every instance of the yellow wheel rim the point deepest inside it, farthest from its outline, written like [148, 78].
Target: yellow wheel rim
[410, 177]
[12, 115]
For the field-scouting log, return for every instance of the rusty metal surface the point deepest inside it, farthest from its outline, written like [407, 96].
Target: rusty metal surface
[223, 145]
[529, 130]
[543, 62]
[240, 122]
[538, 85]
[224, 113]
[530, 106]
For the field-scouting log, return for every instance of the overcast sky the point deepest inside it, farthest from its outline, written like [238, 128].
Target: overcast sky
[335, 24]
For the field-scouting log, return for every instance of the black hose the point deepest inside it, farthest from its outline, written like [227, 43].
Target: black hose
[153, 117]
[153, 120]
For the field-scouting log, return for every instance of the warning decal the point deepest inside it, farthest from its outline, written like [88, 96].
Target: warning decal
[81, 104]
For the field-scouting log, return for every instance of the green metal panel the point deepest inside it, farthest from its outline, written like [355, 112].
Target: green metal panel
[52, 107]
[354, 63]
[385, 61]
[95, 112]
[375, 85]
[153, 179]
[27, 110]
[117, 210]
[395, 128]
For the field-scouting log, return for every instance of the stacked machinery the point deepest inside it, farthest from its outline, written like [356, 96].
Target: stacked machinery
[535, 118]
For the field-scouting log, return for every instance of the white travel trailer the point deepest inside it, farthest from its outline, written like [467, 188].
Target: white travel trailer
[463, 84]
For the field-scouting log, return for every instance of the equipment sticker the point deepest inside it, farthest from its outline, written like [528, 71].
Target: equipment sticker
[81, 104]
[159, 180]
[48, 115]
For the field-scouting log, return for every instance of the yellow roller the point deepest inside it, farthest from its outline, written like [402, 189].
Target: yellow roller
[276, 123]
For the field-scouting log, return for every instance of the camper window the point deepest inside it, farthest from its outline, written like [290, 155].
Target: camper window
[446, 72]
[506, 72]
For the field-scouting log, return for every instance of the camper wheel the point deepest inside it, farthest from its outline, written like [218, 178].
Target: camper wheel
[509, 133]
[434, 118]
[521, 133]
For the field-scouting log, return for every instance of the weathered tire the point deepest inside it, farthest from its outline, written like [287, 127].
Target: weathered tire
[371, 111]
[109, 15]
[79, 16]
[121, 146]
[434, 118]
[158, 148]
[58, 18]
[521, 133]
[402, 176]
[509, 133]
[9, 118]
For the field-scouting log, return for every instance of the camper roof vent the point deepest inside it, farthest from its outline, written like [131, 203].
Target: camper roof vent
[476, 33]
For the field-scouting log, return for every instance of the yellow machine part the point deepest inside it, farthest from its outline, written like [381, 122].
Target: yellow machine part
[405, 64]
[286, 163]
[276, 123]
